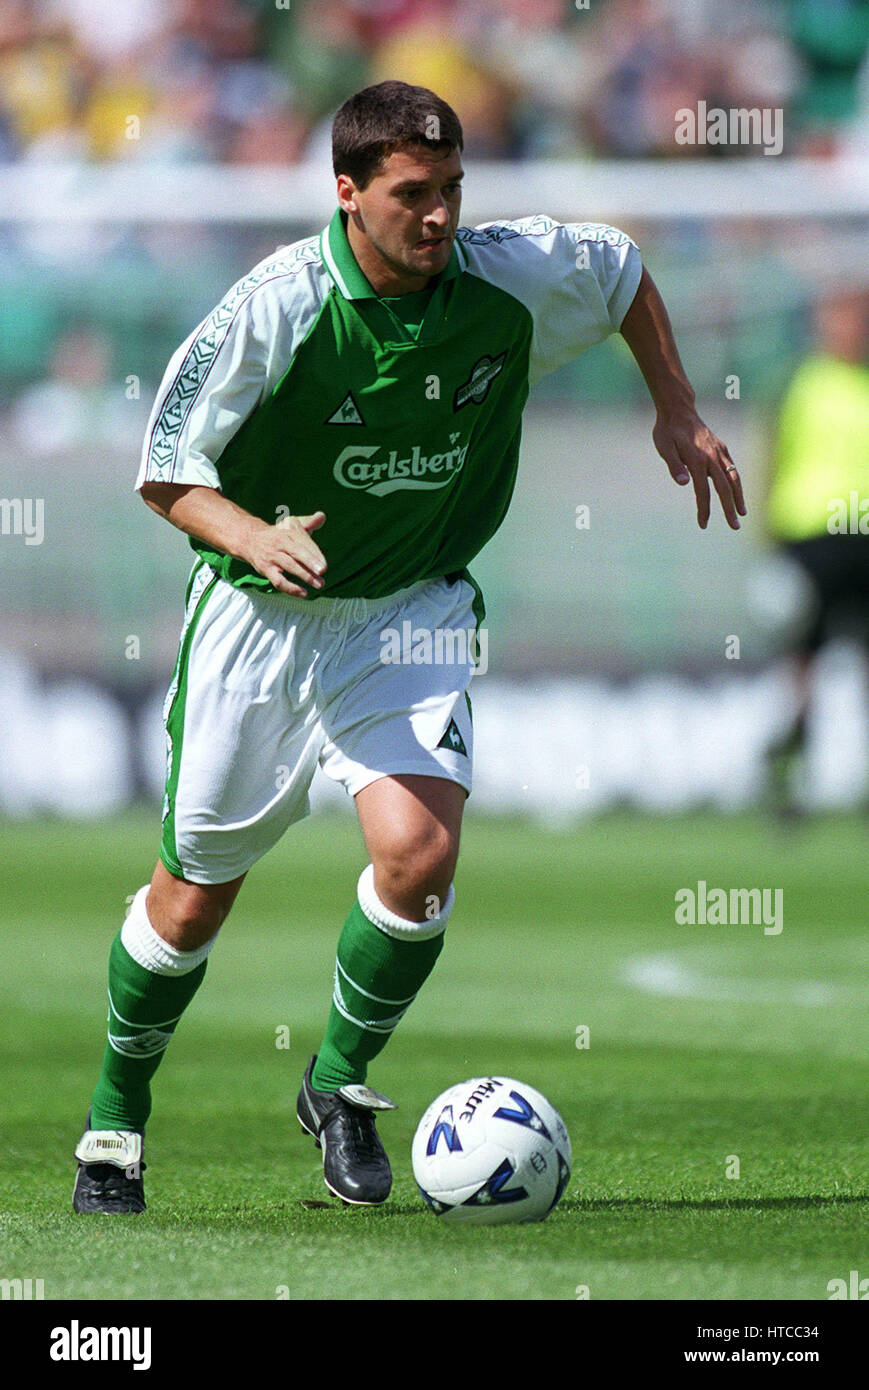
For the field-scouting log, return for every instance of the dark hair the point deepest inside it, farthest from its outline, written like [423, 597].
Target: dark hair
[378, 120]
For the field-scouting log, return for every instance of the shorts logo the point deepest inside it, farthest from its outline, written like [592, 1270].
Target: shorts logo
[355, 467]
[476, 388]
[452, 739]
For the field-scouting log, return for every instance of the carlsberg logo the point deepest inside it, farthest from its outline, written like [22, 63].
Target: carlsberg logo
[356, 467]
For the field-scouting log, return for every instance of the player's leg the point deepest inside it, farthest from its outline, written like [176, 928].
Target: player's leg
[157, 962]
[188, 915]
[411, 826]
[387, 949]
[819, 558]
[400, 740]
[398, 737]
[228, 800]
[395, 929]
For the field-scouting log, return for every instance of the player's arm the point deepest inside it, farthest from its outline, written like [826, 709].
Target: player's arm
[583, 281]
[212, 384]
[688, 447]
[273, 551]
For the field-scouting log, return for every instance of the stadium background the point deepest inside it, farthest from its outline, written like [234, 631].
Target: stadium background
[152, 153]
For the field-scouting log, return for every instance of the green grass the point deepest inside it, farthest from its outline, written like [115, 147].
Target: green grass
[761, 1054]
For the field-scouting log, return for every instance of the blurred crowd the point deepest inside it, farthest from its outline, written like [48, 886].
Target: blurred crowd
[93, 311]
[257, 81]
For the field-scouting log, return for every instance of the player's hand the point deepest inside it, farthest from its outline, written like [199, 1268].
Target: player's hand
[694, 454]
[287, 548]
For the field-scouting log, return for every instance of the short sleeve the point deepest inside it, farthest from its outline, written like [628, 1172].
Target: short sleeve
[577, 280]
[223, 371]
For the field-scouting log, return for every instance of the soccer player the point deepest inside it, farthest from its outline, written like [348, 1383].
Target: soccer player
[339, 439]
[820, 480]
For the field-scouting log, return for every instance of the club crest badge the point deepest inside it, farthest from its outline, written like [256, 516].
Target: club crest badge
[476, 388]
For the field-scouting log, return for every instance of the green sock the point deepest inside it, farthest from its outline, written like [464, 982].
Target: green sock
[377, 977]
[144, 1010]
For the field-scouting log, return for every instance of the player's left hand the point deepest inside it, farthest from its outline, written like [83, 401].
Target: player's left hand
[694, 454]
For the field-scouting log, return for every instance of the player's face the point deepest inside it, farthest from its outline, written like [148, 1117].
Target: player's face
[403, 224]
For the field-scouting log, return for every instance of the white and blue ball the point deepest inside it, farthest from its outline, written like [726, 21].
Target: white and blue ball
[489, 1151]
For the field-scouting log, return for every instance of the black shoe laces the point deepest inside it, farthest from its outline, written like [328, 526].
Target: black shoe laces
[363, 1133]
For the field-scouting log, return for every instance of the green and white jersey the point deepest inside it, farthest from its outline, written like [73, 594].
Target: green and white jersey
[400, 419]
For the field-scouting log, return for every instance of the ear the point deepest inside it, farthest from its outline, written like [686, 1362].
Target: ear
[346, 191]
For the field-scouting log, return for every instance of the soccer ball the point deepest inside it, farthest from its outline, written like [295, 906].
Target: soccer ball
[489, 1151]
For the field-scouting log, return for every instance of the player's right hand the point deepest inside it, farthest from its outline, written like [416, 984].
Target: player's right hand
[287, 549]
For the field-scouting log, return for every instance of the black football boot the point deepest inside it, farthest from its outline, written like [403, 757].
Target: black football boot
[110, 1168]
[355, 1166]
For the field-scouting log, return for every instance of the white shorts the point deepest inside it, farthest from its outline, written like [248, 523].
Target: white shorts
[268, 686]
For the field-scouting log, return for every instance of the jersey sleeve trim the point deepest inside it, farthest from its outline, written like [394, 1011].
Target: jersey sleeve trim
[176, 450]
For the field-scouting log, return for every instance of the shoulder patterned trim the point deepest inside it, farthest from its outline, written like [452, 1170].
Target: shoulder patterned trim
[200, 357]
[540, 225]
[600, 232]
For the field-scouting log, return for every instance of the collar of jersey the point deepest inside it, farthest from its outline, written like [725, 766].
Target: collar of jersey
[343, 267]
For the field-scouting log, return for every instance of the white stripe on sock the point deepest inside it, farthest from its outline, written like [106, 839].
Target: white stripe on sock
[368, 1026]
[368, 995]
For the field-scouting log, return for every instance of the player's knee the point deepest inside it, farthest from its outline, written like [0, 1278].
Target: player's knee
[417, 865]
[187, 914]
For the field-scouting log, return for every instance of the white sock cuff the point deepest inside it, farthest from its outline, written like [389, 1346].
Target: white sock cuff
[149, 950]
[390, 922]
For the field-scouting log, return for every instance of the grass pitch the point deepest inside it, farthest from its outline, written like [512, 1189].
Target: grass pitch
[713, 1050]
